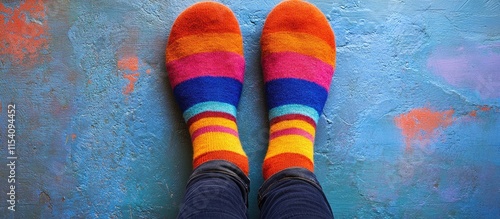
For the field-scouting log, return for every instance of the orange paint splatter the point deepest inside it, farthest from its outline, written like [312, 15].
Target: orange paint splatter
[23, 32]
[129, 63]
[73, 136]
[480, 109]
[485, 108]
[132, 79]
[421, 126]
[148, 71]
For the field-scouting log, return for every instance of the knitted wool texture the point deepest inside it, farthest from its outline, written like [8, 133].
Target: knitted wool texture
[205, 67]
[298, 58]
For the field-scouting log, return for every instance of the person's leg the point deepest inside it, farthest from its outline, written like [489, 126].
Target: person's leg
[298, 58]
[293, 193]
[205, 67]
[216, 189]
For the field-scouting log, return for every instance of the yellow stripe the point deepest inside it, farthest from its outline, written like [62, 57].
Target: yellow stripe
[302, 43]
[207, 42]
[290, 144]
[212, 121]
[216, 141]
[293, 124]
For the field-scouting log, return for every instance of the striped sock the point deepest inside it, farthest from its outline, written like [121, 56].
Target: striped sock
[206, 66]
[298, 58]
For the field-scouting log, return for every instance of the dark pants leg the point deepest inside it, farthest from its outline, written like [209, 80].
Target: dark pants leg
[216, 189]
[293, 193]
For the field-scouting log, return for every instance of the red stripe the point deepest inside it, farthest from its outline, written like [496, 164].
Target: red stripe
[237, 159]
[283, 161]
[210, 114]
[291, 131]
[213, 128]
[293, 117]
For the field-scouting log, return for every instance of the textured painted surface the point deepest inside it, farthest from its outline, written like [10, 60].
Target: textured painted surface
[410, 128]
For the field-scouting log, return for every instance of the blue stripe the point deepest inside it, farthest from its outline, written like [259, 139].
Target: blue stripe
[286, 91]
[294, 109]
[209, 106]
[202, 89]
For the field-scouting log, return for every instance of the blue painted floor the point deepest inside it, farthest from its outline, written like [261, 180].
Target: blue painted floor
[410, 128]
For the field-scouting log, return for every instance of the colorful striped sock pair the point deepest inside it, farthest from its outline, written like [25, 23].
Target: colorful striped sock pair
[206, 66]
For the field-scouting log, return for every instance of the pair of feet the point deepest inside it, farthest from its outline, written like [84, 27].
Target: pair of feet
[205, 67]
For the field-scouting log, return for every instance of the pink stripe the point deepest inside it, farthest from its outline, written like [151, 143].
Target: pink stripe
[291, 131]
[222, 64]
[213, 128]
[294, 65]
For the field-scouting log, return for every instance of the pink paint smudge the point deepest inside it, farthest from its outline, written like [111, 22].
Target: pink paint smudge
[420, 126]
[476, 67]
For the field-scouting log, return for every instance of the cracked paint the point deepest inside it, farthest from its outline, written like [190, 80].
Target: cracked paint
[469, 66]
